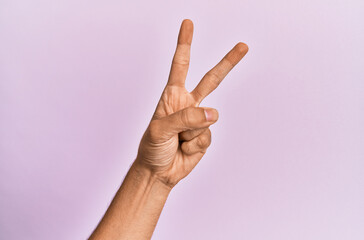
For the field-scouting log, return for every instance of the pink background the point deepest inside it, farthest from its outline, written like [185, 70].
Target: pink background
[79, 81]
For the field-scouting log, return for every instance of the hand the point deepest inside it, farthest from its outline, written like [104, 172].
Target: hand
[178, 134]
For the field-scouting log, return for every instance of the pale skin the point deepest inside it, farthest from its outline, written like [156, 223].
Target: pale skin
[175, 140]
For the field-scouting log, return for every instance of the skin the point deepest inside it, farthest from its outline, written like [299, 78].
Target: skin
[175, 140]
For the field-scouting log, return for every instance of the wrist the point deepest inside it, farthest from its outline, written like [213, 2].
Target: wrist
[145, 174]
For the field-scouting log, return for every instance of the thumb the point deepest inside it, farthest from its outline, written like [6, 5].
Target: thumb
[187, 119]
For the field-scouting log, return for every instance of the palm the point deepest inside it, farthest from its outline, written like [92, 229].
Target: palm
[168, 156]
[173, 99]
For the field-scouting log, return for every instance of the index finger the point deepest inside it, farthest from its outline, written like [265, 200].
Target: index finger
[213, 78]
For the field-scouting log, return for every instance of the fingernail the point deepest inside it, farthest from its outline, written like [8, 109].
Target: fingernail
[211, 114]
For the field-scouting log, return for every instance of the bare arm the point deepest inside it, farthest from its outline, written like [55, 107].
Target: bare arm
[135, 209]
[174, 142]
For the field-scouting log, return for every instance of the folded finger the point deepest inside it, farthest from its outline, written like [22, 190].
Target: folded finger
[197, 144]
[190, 134]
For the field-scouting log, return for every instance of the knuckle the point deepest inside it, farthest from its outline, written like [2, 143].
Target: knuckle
[186, 147]
[214, 79]
[203, 141]
[208, 140]
[180, 59]
[208, 133]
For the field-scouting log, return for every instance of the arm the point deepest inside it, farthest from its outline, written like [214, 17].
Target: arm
[135, 209]
[175, 140]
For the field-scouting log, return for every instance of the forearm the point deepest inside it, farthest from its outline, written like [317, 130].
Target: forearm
[136, 207]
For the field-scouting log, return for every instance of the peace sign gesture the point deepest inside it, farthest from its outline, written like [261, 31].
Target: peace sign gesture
[178, 134]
